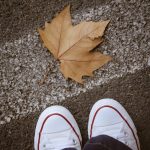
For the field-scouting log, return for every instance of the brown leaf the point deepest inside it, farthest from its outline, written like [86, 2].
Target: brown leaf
[72, 45]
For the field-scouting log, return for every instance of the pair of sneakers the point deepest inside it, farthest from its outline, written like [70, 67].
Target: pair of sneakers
[57, 129]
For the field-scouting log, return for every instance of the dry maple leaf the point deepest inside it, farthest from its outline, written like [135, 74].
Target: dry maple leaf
[72, 45]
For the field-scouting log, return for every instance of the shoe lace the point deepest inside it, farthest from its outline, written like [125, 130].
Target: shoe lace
[57, 144]
[118, 132]
[123, 137]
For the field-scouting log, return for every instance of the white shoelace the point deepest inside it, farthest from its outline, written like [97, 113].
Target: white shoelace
[116, 131]
[122, 137]
[58, 144]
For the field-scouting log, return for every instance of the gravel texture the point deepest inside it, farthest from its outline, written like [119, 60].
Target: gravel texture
[132, 91]
[24, 62]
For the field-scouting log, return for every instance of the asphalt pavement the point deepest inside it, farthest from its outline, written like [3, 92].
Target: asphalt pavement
[24, 62]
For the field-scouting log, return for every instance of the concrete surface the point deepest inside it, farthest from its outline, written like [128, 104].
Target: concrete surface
[24, 62]
[132, 91]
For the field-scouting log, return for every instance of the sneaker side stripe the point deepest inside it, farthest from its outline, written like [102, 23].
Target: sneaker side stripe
[57, 114]
[105, 106]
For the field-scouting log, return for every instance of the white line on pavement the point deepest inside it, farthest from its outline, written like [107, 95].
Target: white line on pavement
[24, 62]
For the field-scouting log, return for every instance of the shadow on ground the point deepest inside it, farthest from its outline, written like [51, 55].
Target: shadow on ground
[132, 91]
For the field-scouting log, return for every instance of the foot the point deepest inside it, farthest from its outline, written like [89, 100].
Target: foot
[57, 129]
[108, 117]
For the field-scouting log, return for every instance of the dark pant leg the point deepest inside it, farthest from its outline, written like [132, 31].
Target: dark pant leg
[104, 142]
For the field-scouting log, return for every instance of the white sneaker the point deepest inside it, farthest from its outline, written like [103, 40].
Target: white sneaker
[108, 117]
[57, 129]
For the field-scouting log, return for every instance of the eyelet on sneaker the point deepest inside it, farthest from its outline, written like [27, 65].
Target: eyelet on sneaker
[74, 142]
[125, 133]
[44, 145]
[126, 143]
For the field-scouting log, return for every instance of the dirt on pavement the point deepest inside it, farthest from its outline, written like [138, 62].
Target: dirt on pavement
[23, 61]
[132, 91]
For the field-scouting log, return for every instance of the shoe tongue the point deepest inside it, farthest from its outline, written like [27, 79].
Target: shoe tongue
[56, 140]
